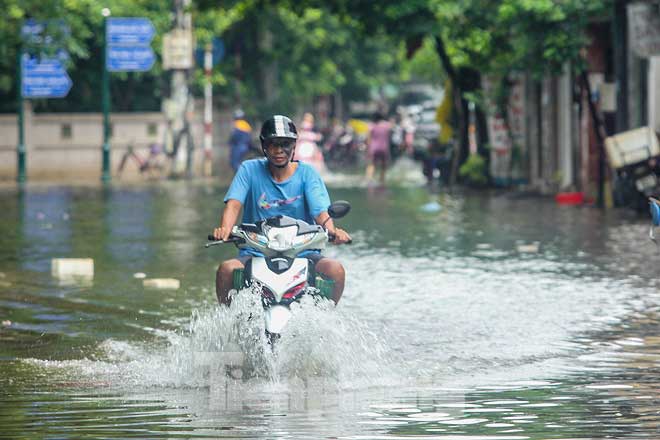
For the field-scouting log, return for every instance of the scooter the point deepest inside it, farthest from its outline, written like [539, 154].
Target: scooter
[282, 275]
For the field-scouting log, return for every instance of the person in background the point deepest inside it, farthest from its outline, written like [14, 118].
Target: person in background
[307, 148]
[378, 147]
[239, 140]
[409, 134]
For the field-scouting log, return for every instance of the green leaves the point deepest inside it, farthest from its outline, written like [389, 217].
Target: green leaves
[515, 35]
[318, 47]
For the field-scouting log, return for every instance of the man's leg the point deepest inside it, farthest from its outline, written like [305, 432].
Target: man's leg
[370, 171]
[224, 278]
[335, 271]
[383, 167]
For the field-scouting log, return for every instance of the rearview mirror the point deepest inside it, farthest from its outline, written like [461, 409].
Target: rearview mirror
[339, 209]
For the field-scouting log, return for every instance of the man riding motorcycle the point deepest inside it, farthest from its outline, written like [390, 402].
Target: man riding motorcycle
[277, 185]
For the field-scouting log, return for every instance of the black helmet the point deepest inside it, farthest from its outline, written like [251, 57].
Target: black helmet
[278, 126]
[279, 130]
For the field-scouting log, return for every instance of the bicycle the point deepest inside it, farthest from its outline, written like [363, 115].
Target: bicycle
[153, 166]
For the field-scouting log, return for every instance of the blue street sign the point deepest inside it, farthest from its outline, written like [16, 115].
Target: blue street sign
[37, 32]
[32, 28]
[44, 65]
[129, 30]
[130, 58]
[44, 78]
[218, 52]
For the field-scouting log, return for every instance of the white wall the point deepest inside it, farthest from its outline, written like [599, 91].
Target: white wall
[51, 155]
[654, 93]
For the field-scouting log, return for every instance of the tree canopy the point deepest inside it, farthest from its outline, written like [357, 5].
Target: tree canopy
[283, 54]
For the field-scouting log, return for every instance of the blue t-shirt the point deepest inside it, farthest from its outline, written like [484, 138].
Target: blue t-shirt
[302, 196]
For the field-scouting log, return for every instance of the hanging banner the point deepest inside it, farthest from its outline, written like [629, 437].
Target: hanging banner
[498, 136]
[516, 111]
[178, 49]
[506, 135]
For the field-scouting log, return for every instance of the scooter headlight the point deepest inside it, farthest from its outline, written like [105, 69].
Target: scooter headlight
[258, 238]
[301, 240]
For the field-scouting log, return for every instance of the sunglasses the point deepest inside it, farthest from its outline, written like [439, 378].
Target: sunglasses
[285, 144]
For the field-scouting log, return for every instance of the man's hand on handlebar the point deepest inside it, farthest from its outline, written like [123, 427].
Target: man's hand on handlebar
[221, 233]
[341, 237]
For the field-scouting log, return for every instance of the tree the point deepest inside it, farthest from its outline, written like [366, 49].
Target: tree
[477, 37]
[83, 42]
[283, 54]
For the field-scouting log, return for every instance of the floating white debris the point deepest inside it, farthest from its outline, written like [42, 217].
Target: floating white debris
[528, 248]
[431, 207]
[140, 275]
[6, 323]
[609, 387]
[500, 425]
[162, 283]
[72, 267]
[462, 421]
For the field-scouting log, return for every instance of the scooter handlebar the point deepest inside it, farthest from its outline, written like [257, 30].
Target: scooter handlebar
[214, 242]
[331, 238]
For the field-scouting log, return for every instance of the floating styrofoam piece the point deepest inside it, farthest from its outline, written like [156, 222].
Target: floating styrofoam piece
[431, 207]
[162, 283]
[72, 267]
[140, 275]
[528, 248]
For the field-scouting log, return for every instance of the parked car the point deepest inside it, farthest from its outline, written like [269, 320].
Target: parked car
[427, 128]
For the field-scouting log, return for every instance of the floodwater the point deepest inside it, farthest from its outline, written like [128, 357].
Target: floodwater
[465, 316]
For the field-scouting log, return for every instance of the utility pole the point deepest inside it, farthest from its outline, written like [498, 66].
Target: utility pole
[619, 33]
[105, 81]
[208, 111]
[20, 149]
[177, 56]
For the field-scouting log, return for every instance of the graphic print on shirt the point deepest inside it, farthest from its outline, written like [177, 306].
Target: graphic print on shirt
[267, 204]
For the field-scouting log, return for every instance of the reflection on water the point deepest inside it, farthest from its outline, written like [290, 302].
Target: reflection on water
[489, 318]
[130, 220]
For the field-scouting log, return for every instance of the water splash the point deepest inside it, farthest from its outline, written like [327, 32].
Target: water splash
[321, 343]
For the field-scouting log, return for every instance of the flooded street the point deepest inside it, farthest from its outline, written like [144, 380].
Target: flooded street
[476, 317]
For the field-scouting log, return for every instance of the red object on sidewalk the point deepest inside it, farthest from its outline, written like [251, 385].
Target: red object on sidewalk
[570, 198]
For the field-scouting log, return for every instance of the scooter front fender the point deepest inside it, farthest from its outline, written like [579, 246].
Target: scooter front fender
[276, 318]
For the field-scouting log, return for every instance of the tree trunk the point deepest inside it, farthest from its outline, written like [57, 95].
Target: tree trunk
[459, 107]
[601, 134]
[463, 80]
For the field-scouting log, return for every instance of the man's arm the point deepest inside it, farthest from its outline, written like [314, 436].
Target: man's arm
[341, 236]
[228, 220]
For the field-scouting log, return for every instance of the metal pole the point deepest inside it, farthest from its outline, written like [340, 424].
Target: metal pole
[208, 111]
[105, 176]
[620, 50]
[20, 149]
[472, 128]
